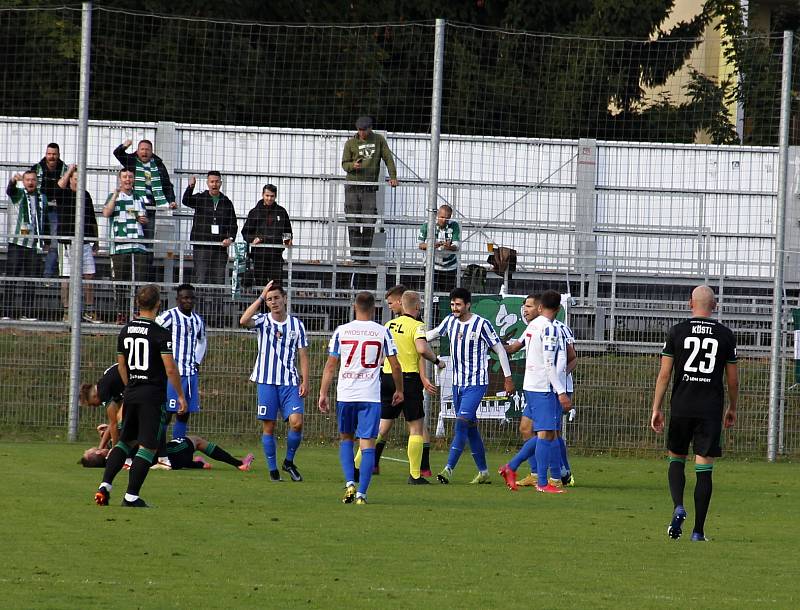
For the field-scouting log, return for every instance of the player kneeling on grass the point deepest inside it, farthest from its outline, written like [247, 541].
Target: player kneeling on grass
[144, 355]
[181, 454]
[545, 395]
[359, 348]
[281, 338]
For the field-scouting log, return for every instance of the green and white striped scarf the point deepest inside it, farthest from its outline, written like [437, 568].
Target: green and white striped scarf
[152, 192]
[30, 210]
[124, 225]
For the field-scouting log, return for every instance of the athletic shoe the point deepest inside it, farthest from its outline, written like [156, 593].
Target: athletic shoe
[510, 477]
[699, 537]
[568, 480]
[420, 481]
[137, 503]
[102, 496]
[245, 467]
[444, 476]
[27, 319]
[349, 494]
[376, 469]
[555, 483]
[275, 476]
[206, 465]
[529, 481]
[361, 500]
[65, 317]
[91, 317]
[294, 474]
[426, 473]
[482, 478]
[128, 463]
[674, 530]
[162, 463]
[550, 489]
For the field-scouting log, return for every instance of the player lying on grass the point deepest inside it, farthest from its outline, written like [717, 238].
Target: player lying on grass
[181, 454]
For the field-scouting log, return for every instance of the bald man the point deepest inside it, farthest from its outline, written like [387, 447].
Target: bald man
[700, 351]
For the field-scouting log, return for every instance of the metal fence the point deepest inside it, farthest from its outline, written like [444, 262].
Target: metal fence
[626, 228]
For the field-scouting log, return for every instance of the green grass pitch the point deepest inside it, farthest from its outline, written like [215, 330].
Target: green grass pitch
[226, 539]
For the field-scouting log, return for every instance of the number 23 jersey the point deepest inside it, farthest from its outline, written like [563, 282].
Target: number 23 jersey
[701, 348]
[141, 342]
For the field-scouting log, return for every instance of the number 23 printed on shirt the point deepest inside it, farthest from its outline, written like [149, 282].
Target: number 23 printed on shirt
[709, 348]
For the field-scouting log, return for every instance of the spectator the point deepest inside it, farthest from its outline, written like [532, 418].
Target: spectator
[152, 184]
[28, 205]
[126, 210]
[268, 224]
[214, 221]
[48, 171]
[447, 243]
[67, 194]
[361, 160]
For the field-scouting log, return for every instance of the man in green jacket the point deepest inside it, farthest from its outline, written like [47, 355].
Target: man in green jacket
[361, 160]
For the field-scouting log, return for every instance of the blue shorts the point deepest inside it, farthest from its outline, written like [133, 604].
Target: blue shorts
[363, 419]
[545, 409]
[190, 392]
[274, 399]
[466, 401]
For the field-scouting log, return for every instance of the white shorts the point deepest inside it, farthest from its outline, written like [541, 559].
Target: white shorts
[63, 260]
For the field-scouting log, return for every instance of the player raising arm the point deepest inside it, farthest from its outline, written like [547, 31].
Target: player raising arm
[359, 348]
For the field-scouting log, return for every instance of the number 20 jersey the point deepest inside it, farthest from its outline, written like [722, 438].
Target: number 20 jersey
[701, 348]
[142, 341]
[361, 347]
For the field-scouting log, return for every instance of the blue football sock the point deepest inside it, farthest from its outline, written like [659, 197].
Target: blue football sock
[477, 448]
[542, 459]
[346, 460]
[268, 443]
[562, 445]
[179, 429]
[365, 472]
[555, 459]
[459, 440]
[292, 443]
[526, 452]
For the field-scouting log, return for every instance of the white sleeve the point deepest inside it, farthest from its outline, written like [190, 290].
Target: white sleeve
[501, 354]
[550, 349]
[436, 332]
[201, 345]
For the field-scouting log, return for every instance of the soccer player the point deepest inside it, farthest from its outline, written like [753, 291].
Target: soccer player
[567, 339]
[471, 336]
[545, 395]
[107, 392]
[189, 344]
[144, 355]
[281, 339]
[181, 454]
[699, 351]
[359, 347]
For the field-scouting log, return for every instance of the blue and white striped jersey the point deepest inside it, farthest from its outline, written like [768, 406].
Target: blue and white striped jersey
[278, 343]
[188, 339]
[568, 338]
[470, 342]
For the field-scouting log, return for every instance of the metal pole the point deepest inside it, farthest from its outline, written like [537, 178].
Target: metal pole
[76, 254]
[775, 381]
[433, 169]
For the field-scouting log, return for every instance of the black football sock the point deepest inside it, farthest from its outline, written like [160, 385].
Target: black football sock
[219, 454]
[426, 456]
[139, 469]
[379, 449]
[677, 479]
[115, 460]
[702, 495]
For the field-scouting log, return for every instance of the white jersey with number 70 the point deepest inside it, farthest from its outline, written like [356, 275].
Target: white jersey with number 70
[361, 347]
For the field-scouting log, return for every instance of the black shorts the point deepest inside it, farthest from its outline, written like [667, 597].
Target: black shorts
[180, 452]
[144, 416]
[704, 434]
[412, 406]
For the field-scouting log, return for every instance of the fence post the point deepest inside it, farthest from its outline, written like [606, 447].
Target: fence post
[775, 381]
[76, 275]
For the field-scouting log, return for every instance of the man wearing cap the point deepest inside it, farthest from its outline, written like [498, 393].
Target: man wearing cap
[361, 160]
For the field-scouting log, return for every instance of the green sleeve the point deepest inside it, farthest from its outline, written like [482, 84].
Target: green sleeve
[423, 232]
[388, 158]
[456, 232]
